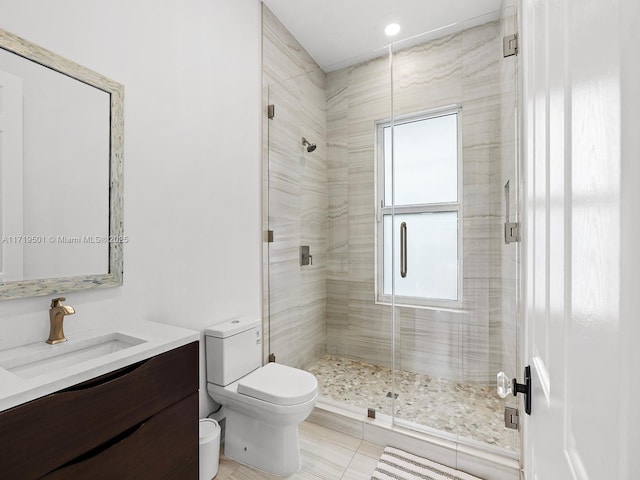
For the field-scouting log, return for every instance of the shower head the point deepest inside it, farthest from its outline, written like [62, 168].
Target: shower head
[310, 146]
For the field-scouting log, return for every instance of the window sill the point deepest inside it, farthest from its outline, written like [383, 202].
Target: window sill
[451, 309]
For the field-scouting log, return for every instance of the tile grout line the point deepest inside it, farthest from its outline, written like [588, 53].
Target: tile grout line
[355, 452]
[309, 473]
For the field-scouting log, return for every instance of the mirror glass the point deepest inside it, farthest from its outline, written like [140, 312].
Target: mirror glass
[60, 173]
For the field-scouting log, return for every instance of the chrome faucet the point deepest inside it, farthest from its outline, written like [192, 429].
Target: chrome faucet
[56, 317]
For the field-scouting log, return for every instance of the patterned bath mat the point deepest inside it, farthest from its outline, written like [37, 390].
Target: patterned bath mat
[396, 464]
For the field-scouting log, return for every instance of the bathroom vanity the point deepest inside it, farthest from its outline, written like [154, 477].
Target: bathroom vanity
[137, 420]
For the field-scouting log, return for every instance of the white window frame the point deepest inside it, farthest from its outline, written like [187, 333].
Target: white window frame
[382, 210]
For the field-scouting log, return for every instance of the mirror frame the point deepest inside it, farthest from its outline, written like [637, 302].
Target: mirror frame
[47, 286]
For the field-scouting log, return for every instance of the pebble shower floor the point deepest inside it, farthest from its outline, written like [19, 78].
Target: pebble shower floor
[471, 411]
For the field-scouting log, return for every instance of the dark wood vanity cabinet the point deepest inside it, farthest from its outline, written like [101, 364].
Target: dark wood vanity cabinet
[139, 422]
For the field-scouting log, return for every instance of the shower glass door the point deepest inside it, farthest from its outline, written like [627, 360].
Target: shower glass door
[320, 311]
[295, 256]
[451, 182]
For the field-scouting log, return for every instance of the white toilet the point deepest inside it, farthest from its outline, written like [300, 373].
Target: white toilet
[263, 405]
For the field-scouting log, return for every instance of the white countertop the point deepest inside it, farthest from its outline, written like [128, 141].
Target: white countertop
[158, 338]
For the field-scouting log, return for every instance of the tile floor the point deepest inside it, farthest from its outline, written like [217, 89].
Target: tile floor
[326, 455]
[471, 411]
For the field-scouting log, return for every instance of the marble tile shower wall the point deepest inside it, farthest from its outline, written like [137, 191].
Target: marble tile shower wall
[296, 196]
[459, 69]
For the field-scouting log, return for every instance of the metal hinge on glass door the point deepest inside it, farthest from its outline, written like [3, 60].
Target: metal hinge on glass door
[511, 229]
[510, 45]
[511, 418]
[511, 232]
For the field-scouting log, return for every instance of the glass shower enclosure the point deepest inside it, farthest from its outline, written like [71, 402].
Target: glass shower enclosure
[386, 272]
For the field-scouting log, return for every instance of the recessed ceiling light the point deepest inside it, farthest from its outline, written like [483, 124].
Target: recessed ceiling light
[392, 29]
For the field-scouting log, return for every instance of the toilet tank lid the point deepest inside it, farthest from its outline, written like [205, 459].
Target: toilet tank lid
[232, 327]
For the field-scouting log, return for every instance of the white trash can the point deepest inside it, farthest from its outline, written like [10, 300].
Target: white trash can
[209, 450]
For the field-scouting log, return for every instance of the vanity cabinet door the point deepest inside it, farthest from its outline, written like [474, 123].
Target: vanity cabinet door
[42, 435]
[165, 447]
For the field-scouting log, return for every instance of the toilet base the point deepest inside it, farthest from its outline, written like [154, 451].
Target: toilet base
[273, 449]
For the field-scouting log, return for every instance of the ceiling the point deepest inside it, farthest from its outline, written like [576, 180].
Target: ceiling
[338, 33]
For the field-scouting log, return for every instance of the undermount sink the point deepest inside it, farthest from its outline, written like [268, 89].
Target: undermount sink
[39, 358]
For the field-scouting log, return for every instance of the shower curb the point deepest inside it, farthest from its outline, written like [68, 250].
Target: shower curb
[489, 462]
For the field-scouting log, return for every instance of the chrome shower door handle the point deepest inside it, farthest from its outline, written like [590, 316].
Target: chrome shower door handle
[403, 249]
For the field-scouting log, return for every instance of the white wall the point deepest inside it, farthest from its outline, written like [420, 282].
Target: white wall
[191, 71]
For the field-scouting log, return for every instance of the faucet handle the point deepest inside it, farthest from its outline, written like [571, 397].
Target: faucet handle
[56, 301]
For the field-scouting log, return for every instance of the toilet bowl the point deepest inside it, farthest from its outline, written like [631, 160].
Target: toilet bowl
[263, 405]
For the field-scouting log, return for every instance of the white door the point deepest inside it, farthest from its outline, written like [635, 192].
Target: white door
[575, 307]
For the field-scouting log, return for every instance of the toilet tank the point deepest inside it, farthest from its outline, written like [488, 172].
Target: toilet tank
[233, 349]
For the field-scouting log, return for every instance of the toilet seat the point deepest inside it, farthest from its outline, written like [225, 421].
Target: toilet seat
[279, 385]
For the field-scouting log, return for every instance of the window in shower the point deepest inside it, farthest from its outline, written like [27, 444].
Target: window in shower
[425, 159]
